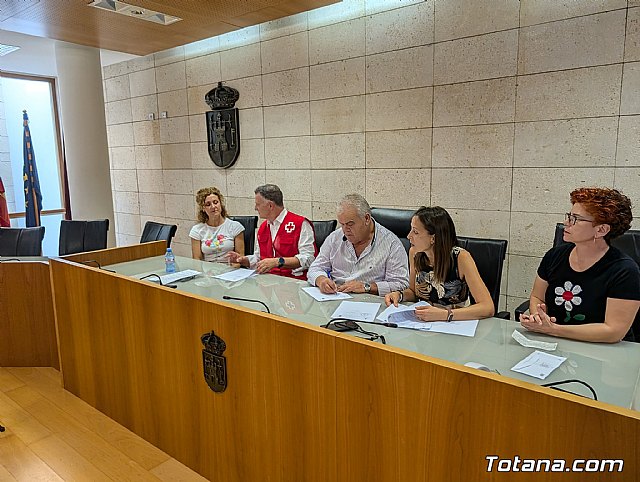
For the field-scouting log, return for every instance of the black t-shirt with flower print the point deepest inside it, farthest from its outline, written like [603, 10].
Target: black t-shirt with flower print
[577, 298]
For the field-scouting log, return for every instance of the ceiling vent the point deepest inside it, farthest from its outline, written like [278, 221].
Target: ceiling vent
[7, 49]
[122, 8]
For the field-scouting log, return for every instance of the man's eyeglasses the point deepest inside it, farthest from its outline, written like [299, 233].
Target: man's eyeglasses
[574, 218]
[350, 325]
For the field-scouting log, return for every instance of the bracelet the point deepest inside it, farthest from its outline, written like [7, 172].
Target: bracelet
[449, 313]
[401, 296]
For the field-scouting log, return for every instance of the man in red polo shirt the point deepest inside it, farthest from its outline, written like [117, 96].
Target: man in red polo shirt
[286, 242]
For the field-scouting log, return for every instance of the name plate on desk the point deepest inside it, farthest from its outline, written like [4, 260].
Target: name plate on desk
[213, 363]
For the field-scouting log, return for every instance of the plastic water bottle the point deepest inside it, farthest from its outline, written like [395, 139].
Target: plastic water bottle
[170, 261]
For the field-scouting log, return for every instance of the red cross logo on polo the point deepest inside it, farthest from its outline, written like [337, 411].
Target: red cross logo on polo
[289, 227]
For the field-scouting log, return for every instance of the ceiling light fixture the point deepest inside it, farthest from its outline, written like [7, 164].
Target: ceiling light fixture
[123, 8]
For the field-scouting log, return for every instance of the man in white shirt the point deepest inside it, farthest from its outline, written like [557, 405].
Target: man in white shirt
[362, 257]
[286, 242]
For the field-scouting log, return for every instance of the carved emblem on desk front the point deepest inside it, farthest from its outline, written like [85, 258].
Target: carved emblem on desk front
[213, 363]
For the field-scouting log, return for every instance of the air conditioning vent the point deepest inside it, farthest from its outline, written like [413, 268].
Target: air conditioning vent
[123, 8]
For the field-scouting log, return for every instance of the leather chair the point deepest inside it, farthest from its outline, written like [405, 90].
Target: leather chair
[489, 255]
[398, 221]
[322, 229]
[21, 241]
[158, 232]
[82, 236]
[250, 224]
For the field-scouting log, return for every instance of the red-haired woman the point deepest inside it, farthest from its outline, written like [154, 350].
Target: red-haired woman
[586, 289]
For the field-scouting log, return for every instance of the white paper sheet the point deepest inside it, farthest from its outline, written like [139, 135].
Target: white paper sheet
[538, 364]
[318, 295]
[236, 274]
[406, 318]
[179, 276]
[524, 341]
[357, 310]
[462, 328]
[384, 316]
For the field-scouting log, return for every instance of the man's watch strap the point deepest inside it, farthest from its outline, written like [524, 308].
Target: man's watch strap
[280, 262]
[367, 287]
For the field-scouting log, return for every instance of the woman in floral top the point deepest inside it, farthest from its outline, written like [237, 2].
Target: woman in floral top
[216, 235]
[587, 289]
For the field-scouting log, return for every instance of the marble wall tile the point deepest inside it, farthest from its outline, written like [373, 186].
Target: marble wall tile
[628, 152]
[483, 57]
[287, 120]
[176, 156]
[402, 69]
[331, 185]
[400, 28]
[117, 88]
[297, 53]
[283, 26]
[341, 41]
[120, 135]
[177, 181]
[203, 70]
[140, 63]
[198, 128]
[294, 183]
[174, 130]
[126, 239]
[141, 107]
[200, 156]
[150, 180]
[152, 204]
[128, 224]
[337, 79]
[213, 176]
[201, 47]
[480, 102]
[568, 44]
[566, 143]
[180, 206]
[514, 302]
[532, 233]
[465, 18]
[473, 146]
[630, 101]
[250, 89]
[171, 77]
[126, 202]
[632, 37]
[376, 6]
[401, 149]
[286, 87]
[251, 154]
[406, 109]
[251, 122]
[522, 273]
[480, 224]
[121, 158]
[539, 11]
[169, 56]
[195, 99]
[471, 191]
[114, 70]
[238, 38]
[125, 180]
[240, 206]
[174, 103]
[146, 133]
[333, 116]
[382, 186]
[589, 92]
[627, 180]
[148, 157]
[546, 190]
[240, 62]
[323, 211]
[142, 83]
[303, 208]
[337, 12]
[243, 182]
[337, 151]
[288, 152]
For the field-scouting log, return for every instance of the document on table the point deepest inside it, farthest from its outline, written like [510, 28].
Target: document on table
[236, 274]
[405, 317]
[384, 316]
[318, 295]
[356, 310]
[538, 364]
[524, 341]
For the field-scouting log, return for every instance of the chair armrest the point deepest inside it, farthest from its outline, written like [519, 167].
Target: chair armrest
[524, 306]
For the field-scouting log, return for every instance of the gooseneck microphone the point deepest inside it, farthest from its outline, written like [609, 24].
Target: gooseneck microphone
[225, 297]
[159, 280]
[97, 264]
[388, 325]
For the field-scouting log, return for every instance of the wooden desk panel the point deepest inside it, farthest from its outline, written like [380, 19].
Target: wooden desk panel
[27, 323]
[120, 254]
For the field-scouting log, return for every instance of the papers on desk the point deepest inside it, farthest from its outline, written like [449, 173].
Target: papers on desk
[356, 310]
[538, 364]
[404, 317]
[236, 274]
[178, 276]
[524, 341]
[318, 295]
[384, 316]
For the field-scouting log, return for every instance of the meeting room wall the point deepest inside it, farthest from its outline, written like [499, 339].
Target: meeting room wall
[495, 110]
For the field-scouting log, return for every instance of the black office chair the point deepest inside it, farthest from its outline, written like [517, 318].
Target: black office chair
[82, 236]
[250, 223]
[322, 229]
[158, 232]
[488, 255]
[21, 241]
[398, 221]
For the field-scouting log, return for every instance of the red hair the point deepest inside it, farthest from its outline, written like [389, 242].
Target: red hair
[607, 206]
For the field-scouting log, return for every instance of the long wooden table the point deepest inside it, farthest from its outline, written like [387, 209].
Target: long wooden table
[304, 403]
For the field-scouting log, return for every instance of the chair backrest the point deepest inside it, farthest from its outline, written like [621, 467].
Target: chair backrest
[250, 223]
[82, 236]
[158, 232]
[322, 229]
[398, 221]
[21, 241]
[488, 255]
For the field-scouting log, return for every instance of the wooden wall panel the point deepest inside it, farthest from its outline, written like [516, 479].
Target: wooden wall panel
[27, 323]
[120, 254]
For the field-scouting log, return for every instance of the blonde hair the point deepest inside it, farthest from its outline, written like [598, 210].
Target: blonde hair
[203, 194]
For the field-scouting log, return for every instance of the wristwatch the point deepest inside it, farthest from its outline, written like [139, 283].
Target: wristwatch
[280, 262]
[367, 288]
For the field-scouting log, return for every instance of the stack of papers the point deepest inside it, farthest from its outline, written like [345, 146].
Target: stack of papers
[178, 276]
[404, 317]
[318, 295]
[356, 310]
[236, 274]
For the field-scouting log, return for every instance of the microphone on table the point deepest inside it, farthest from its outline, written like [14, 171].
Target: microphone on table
[225, 297]
[159, 280]
[97, 264]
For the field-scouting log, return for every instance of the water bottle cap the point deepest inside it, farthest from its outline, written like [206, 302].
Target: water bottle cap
[169, 250]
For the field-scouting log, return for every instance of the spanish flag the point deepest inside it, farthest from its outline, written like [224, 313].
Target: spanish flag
[5, 222]
[32, 194]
